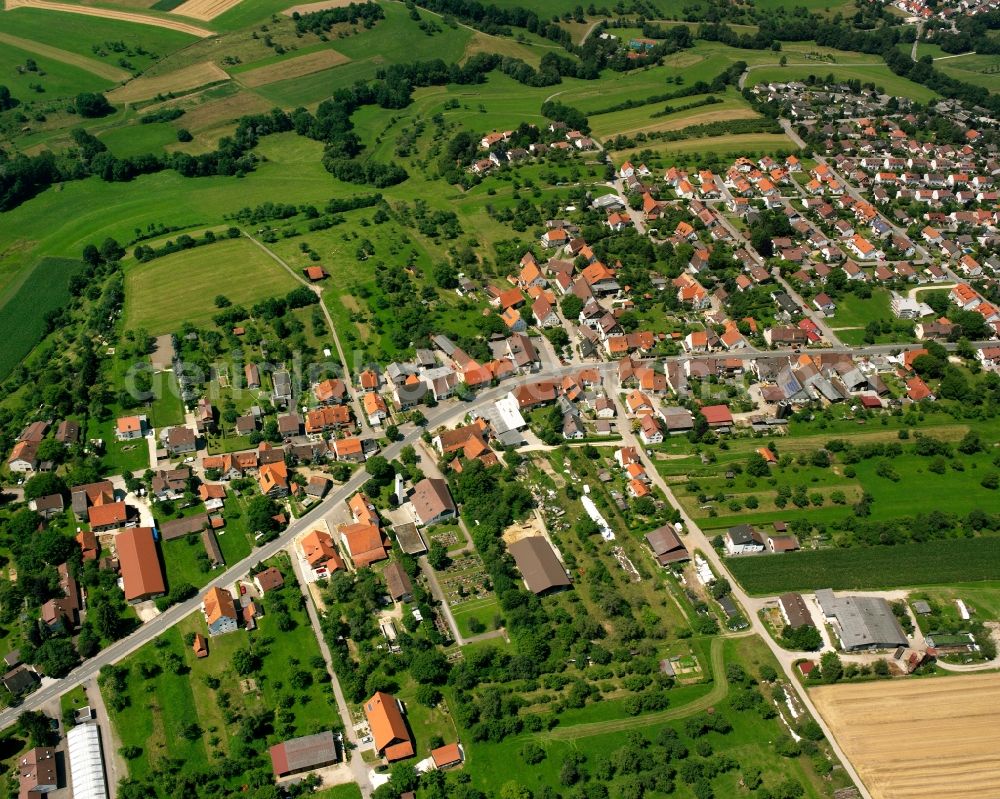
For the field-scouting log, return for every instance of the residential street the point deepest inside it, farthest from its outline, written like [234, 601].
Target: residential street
[449, 414]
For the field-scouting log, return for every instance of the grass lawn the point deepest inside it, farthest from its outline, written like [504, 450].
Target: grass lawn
[853, 311]
[234, 539]
[641, 118]
[73, 700]
[130, 140]
[184, 559]
[482, 610]
[159, 709]
[349, 790]
[163, 294]
[166, 408]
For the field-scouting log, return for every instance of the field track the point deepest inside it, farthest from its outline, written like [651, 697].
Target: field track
[107, 13]
[91, 65]
[911, 739]
[180, 80]
[205, 10]
[292, 68]
[720, 687]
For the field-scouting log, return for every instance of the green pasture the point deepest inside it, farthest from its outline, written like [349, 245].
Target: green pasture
[392, 40]
[163, 294]
[751, 740]
[982, 599]
[983, 70]
[55, 78]
[234, 539]
[77, 33]
[137, 139]
[854, 311]
[730, 144]
[25, 299]
[162, 706]
[636, 120]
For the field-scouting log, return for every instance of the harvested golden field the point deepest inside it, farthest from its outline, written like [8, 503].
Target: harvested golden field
[180, 80]
[912, 739]
[292, 68]
[310, 8]
[140, 4]
[704, 118]
[214, 113]
[108, 13]
[204, 10]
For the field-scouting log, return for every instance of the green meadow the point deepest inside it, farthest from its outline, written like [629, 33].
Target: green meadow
[38, 290]
[52, 79]
[164, 293]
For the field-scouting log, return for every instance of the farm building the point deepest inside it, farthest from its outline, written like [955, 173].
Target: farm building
[538, 564]
[304, 754]
[86, 762]
[666, 545]
[861, 622]
[142, 575]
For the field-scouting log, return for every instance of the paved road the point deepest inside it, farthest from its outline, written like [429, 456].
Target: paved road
[172, 616]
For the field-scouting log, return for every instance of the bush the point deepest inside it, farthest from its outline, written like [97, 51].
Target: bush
[532, 753]
[92, 105]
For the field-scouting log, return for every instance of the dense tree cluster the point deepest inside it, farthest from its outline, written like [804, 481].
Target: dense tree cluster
[320, 22]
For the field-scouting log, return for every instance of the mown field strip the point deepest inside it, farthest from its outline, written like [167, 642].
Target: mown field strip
[91, 65]
[107, 13]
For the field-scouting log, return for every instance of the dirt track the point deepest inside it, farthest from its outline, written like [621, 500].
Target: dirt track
[911, 739]
[106, 13]
[91, 65]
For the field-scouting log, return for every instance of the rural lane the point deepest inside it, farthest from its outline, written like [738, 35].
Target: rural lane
[695, 539]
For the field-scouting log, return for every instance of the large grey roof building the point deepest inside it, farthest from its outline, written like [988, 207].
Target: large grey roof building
[862, 622]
